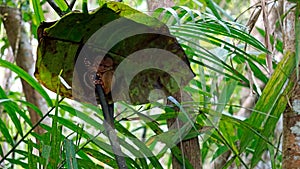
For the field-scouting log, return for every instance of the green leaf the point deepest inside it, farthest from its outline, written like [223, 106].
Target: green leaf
[5, 132]
[38, 11]
[142, 147]
[24, 75]
[56, 138]
[18, 162]
[62, 5]
[70, 154]
[212, 6]
[32, 162]
[154, 126]
[46, 149]
[270, 124]
[270, 95]
[32, 106]
[100, 144]
[11, 109]
[270, 106]
[169, 15]
[228, 133]
[88, 164]
[4, 100]
[101, 157]
[86, 118]
[221, 150]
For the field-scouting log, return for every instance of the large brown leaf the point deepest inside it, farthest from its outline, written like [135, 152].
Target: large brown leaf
[132, 52]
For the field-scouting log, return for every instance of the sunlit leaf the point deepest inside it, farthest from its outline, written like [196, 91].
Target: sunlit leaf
[62, 5]
[38, 11]
[270, 106]
[30, 80]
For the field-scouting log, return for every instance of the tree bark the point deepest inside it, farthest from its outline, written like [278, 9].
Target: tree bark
[22, 50]
[291, 116]
[190, 148]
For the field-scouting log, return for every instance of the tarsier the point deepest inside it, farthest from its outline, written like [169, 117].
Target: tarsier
[105, 71]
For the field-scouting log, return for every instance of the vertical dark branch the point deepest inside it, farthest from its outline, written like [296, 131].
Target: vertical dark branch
[109, 126]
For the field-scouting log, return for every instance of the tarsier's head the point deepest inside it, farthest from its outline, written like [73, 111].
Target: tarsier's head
[105, 65]
[104, 71]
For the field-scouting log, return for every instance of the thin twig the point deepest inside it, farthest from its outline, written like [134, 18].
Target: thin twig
[267, 37]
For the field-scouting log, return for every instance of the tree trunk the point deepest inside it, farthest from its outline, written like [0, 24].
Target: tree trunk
[21, 47]
[291, 116]
[190, 149]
